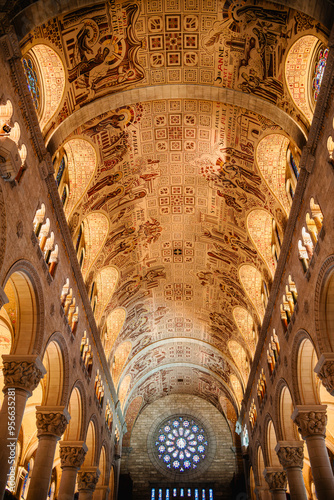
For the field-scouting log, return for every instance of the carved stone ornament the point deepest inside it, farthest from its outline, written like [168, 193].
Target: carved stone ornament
[72, 456]
[327, 376]
[51, 423]
[87, 480]
[325, 371]
[276, 480]
[291, 456]
[22, 374]
[311, 423]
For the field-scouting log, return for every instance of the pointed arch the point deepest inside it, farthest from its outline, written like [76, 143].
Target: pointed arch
[121, 355]
[132, 413]
[235, 382]
[271, 157]
[95, 229]
[259, 225]
[271, 444]
[251, 280]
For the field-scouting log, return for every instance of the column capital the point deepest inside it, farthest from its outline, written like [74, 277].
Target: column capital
[72, 454]
[311, 420]
[51, 420]
[290, 453]
[88, 478]
[325, 371]
[22, 372]
[276, 478]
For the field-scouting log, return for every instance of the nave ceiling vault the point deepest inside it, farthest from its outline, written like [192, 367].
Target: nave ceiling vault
[177, 120]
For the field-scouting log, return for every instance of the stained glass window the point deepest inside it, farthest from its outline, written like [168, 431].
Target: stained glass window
[210, 494]
[60, 171]
[32, 81]
[167, 494]
[319, 71]
[189, 492]
[196, 495]
[181, 492]
[64, 195]
[153, 494]
[174, 492]
[160, 495]
[181, 444]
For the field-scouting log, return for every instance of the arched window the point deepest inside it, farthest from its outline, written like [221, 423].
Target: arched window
[320, 65]
[39, 219]
[64, 195]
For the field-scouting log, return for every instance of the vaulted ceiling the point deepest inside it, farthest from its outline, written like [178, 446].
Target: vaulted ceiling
[177, 119]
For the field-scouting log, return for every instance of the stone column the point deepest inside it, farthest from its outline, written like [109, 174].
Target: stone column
[72, 456]
[21, 376]
[87, 481]
[276, 479]
[101, 493]
[312, 421]
[51, 425]
[291, 456]
[325, 371]
[262, 493]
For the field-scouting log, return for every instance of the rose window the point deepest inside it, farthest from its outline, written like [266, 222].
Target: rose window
[181, 444]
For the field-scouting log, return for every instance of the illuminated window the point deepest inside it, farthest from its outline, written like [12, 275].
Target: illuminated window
[160, 495]
[61, 170]
[32, 81]
[153, 494]
[181, 444]
[189, 492]
[319, 72]
[181, 492]
[203, 494]
[196, 495]
[174, 492]
[167, 494]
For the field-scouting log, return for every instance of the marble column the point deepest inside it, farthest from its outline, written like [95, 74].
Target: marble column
[277, 482]
[21, 377]
[87, 481]
[312, 421]
[325, 371]
[72, 456]
[291, 457]
[51, 425]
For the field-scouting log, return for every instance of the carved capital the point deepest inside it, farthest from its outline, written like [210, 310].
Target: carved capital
[290, 454]
[22, 372]
[325, 371]
[88, 478]
[72, 454]
[311, 420]
[51, 421]
[276, 479]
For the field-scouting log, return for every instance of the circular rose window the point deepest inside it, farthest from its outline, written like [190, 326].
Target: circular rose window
[181, 444]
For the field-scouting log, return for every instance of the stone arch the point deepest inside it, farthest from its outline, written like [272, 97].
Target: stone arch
[271, 442]
[324, 306]
[112, 483]
[29, 305]
[260, 466]
[252, 484]
[287, 429]
[307, 384]
[49, 69]
[76, 409]
[91, 441]
[102, 466]
[53, 383]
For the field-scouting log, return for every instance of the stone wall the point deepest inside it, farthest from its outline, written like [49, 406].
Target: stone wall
[137, 463]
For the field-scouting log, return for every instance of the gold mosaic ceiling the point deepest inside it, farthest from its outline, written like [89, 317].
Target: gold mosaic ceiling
[176, 118]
